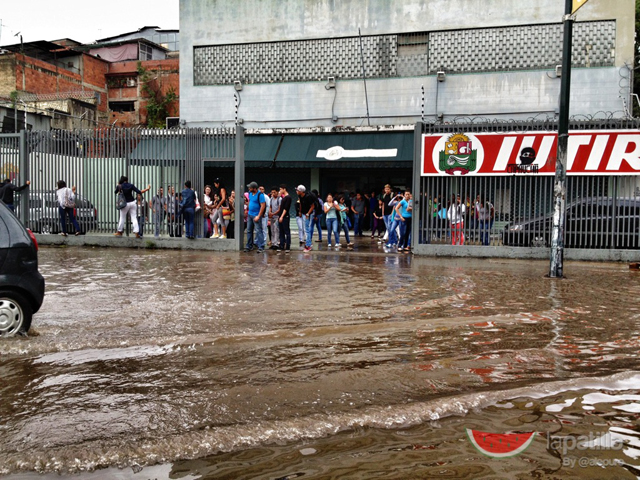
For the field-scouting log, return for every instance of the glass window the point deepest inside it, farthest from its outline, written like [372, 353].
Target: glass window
[122, 106]
[146, 52]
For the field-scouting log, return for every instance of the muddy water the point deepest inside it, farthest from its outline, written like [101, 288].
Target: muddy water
[332, 365]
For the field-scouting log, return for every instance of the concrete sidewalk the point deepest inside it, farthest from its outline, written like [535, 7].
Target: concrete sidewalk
[364, 244]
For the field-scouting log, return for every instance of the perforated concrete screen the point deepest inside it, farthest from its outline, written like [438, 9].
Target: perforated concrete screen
[520, 48]
[457, 51]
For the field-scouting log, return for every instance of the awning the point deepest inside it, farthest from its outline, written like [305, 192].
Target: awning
[260, 150]
[352, 150]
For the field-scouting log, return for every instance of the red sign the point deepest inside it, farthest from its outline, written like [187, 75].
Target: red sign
[602, 152]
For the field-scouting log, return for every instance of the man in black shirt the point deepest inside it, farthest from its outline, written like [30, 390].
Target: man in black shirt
[307, 204]
[6, 192]
[283, 220]
[386, 209]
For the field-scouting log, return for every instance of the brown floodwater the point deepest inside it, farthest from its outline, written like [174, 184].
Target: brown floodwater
[176, 364]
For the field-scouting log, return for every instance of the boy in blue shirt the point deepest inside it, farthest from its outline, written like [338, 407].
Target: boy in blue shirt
[255, 212]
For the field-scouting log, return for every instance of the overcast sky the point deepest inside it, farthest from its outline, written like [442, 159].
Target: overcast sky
[82, 20]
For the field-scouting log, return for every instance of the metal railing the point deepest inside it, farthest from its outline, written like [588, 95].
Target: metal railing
[94, 160]
[603, 211]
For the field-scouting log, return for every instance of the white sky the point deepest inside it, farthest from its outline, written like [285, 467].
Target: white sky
[82, 20]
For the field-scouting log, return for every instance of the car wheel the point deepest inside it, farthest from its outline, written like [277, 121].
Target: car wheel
[15, 313]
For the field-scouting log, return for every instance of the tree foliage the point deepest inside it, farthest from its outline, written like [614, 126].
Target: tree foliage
[158, 103]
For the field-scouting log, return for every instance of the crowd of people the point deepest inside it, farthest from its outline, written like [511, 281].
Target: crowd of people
[176, 210]
[388, 216]
[478, 215]
[267, 214]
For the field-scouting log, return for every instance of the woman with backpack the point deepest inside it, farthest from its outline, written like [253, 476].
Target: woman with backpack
[126, 189]
[66, 204]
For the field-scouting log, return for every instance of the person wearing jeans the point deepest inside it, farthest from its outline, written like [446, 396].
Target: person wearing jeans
[395, 222]
[307, 205]
[188, 207]
[302, 233]
[331, 217]
[141, 213]
[255, 213]
[66, 197]
[359, 210]
[283, 219]
[343, 217]
[403, 213]
[386, 208]
[6, 192]
[158, 208]
[484, 213]
[317, 221]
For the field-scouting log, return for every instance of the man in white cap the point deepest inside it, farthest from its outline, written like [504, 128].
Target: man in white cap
[256, 210]
[307, 205]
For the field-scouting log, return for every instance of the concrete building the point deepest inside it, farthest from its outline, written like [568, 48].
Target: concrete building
[54, 86]
[169, 39]
[299, 64]
[67, 85]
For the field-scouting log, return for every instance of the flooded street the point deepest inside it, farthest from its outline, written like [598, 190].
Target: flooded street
[175, 364]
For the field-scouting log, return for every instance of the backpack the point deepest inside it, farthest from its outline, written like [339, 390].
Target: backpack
[318, 207]
[121, 201]
[68, 201]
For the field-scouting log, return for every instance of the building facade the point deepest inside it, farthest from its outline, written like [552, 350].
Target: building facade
[67, 85]
[300, 63]
[169, 39]
[345, 73]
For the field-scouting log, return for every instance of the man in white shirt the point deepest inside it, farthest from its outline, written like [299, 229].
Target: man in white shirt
[265, 219]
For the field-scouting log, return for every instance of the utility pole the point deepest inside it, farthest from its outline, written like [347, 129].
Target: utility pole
[560, 186]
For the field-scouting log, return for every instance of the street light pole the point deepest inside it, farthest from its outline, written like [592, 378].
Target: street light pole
[560, 187]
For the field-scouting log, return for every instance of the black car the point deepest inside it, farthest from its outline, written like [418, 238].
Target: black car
[45, 218]
[592, 222]
[21, 285]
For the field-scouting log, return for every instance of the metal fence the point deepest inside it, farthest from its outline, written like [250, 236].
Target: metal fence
[94, 160]
[603, 211]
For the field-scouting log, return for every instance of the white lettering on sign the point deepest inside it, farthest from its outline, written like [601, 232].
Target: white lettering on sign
[603, 152]
[575, 142]
[505, 153]
[619, 153]
[336, 153]
[597, 152]
[545, 150]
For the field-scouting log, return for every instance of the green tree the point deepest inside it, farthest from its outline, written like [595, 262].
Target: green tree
[158, 103]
